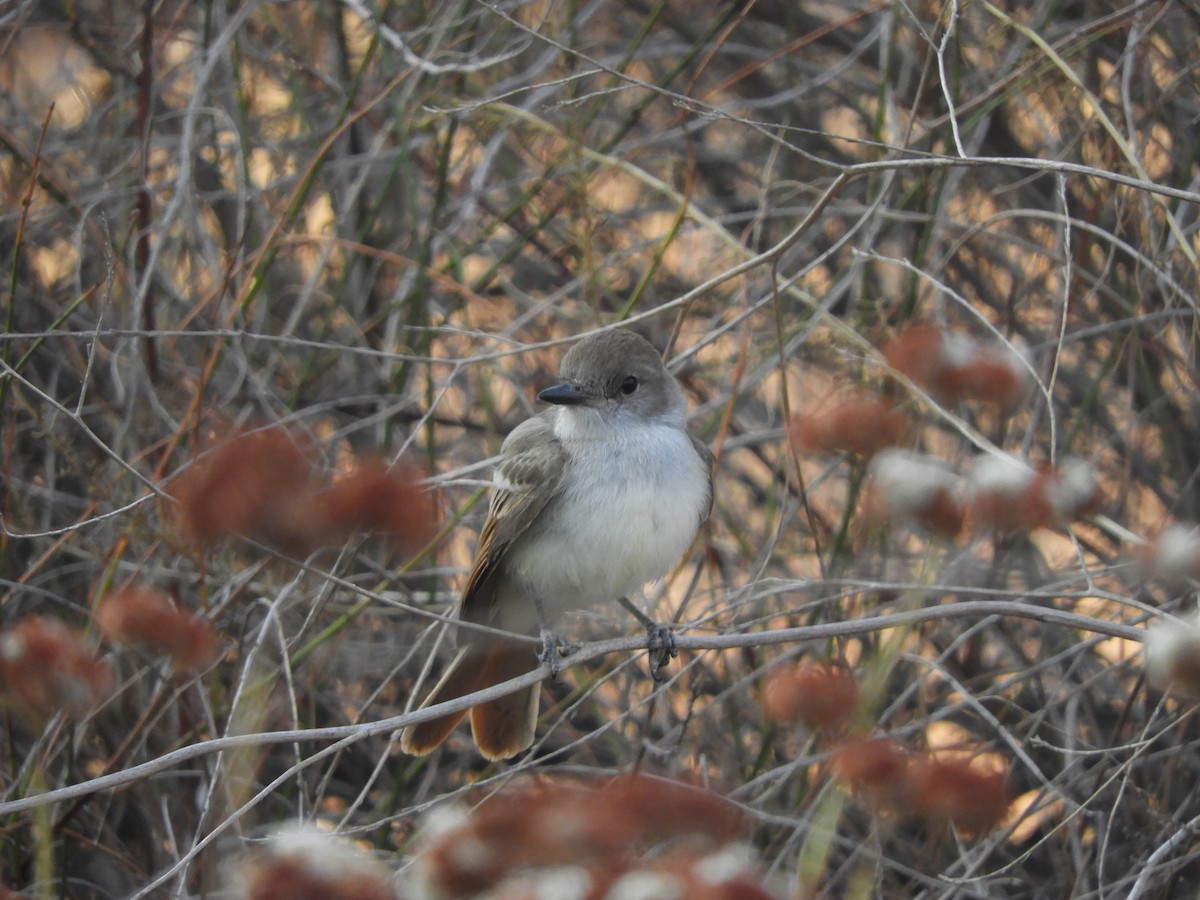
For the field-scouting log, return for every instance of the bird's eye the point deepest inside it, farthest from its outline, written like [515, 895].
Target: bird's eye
[629, 385]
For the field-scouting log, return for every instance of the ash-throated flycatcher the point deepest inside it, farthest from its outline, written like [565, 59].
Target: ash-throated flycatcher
[592, 499]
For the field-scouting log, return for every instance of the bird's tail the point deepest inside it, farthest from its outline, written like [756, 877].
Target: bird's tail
[502, 727]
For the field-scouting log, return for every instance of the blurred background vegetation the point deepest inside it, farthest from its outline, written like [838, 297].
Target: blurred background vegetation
[379, 223]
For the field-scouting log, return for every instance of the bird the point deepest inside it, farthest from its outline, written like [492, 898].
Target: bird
[591, 499]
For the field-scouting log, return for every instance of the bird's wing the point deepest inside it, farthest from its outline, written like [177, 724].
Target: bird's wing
[706, 457]
[529, 476]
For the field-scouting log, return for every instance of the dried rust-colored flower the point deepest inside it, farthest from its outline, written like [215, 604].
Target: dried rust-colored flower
[256, 484]
[138, 614]
[1008, 495]
[916, 353]
[876, 769]
[379, 499]
[893, 781]
[952, 366]
[858, 424]
[265, 485]
[46, 668]
[973, 799]
[602, 832]
[818, 695]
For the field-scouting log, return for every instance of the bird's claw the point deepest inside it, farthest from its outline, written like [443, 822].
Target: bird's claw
[553, 649]
[662, 648]
[661, 639]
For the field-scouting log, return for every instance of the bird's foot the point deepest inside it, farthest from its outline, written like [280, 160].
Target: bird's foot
[662, 648]
[553, 649]
[661, 642]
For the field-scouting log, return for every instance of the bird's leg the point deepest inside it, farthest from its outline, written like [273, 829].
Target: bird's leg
[553, 646]
[661, 639]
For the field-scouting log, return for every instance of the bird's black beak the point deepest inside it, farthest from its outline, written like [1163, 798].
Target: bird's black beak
[565, 395]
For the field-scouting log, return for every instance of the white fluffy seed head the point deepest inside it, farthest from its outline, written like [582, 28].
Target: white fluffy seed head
[12, 648]
[320, 859]
[1172, 655]
[908, 481]
[959, 350]
[324, 854]
[1074, 487]
[555, 883]
[993, 473]
[643, 885]
[726, 864]
[1176, 552]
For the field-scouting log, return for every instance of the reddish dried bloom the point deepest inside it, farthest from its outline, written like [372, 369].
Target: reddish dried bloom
[603, 831]
[305, 864]
[916, 353]
[952, 366]
[256, 484]
[1008, 495]
[376, 498]
[137, 614]
[264, 485]
[656, 809]
[45, 668]
[817, 695]
[857, 424]
[992, 375]
[914, 488]
[1005, 495]
[973, 799]
[892, 781]
[876, 769]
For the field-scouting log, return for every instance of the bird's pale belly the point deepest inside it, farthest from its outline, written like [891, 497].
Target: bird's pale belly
[613, 531]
